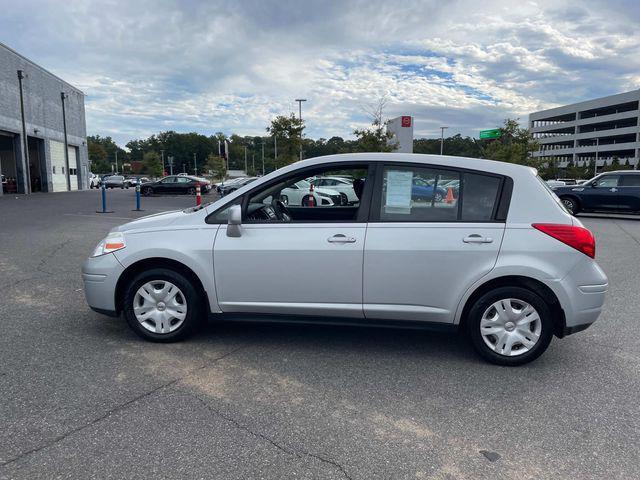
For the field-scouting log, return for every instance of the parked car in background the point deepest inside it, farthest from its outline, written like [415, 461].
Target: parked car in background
[425, 190]
[176, 184]
[337, 184]
[115, 181]
[227, 188]
[617, 191]
[568, 181]
[555, 183]
[227, 183]
[94, 180]
[299, 193]
[509, 266]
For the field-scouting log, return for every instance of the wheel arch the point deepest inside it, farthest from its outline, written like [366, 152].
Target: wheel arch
[157, 262]
[573, 197]
[536, 286]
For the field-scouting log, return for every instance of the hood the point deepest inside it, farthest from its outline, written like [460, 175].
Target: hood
[152, 221]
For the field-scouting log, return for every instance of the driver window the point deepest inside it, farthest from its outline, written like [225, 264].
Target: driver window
[327, 195]
[609, 181]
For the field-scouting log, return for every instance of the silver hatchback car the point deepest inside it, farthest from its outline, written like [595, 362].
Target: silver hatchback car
[438, 242]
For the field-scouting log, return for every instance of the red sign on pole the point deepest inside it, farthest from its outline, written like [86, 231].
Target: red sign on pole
[406, 121]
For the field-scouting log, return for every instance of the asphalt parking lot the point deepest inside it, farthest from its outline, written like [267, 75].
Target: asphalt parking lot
[82, 397]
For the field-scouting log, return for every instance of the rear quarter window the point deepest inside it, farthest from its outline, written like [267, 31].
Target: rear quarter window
[479, 197]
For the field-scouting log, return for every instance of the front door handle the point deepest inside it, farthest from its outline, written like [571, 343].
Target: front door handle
[340, 238]
[475, 238]
[613, 189]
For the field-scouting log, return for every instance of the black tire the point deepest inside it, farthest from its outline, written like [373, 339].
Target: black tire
[195, 312]
[517, 293]
[191, 191]
[284, 199]
[438, 197]
[147, 191]
[571, 204]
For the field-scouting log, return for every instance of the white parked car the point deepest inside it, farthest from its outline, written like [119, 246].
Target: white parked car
[507, 264]
[339, 184]
[555, 183]
[300, 192]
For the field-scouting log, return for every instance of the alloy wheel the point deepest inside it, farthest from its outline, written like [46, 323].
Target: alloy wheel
[510, 327]
[160, 306]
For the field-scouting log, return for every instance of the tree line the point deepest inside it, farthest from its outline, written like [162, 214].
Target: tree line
[283, 140]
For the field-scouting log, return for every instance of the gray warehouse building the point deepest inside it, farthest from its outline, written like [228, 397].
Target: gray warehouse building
[43, 145]
[592, 132]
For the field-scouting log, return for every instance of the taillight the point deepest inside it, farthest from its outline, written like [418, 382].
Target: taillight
[576, 237]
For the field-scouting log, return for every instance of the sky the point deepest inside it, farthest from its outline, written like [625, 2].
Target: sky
[206, 66]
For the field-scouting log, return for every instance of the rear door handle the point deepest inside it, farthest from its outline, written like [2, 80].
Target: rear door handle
[475, 238]
[340, 238]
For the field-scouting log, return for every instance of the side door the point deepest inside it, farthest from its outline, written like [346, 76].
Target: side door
[422, 254]
[602, 193]
[166, 185]
[310, 265]
[629, 192]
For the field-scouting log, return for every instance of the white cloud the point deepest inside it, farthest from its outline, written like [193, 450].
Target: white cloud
[207, 66]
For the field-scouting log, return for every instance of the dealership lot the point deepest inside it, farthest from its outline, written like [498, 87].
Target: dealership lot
[83, 397]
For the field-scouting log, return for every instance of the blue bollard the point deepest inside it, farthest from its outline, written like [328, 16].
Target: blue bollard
[104, 201]
[137, 209]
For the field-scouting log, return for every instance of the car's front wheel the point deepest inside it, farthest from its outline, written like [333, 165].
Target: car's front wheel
[147, 191]
[191, 191]
[510, 326]
[570, 204]
[162, 305]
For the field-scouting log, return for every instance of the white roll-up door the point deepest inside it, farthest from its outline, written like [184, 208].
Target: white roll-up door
[73, 167]
[58, 172]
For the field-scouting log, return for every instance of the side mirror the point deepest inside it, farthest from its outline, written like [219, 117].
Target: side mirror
[235, 221]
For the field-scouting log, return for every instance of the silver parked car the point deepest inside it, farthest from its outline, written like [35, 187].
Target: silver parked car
[502, 260]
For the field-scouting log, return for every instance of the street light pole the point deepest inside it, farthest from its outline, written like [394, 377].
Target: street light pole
[300, 100]
[595, 167]
[245, 159]
[263, 157]
[442, 129]
[162, 155]
[195, 165]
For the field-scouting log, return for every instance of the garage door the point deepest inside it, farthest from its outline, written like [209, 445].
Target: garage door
[58, 173]
[73, 167]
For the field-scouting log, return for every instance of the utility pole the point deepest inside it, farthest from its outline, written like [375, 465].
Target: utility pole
[245, 159]
[25, 140]
[300, 100]
[116, 160]
[595, 167]
[263, 157]
[162, 155]
[442, 129]
[195, 165]
[275, 149]
[253, 163]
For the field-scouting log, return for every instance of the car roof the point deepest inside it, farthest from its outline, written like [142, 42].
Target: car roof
[630, 172]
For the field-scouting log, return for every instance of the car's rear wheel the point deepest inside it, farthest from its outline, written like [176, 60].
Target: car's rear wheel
[162, 305]
[147, 191]
[438, 197]
[570, 204]
[510, 326]
[191, 191]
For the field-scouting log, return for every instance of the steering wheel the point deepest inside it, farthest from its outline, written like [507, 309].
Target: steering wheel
[282, 212]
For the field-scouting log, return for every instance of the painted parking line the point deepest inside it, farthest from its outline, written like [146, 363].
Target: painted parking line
[96, 215]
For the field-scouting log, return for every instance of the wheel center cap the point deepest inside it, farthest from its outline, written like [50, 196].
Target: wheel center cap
[161, 306]
[509, 326]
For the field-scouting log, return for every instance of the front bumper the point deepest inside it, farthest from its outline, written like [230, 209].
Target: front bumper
[100, 277]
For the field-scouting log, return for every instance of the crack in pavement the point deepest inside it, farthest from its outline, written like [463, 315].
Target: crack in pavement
[116, 409]
[296, 453]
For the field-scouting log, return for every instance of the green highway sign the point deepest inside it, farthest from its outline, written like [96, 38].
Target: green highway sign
[487, 134]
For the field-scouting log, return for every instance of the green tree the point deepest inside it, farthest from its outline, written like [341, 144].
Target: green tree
[151, 164]
[375, 138]
[216, 166]
[515, 145]
[288, 131]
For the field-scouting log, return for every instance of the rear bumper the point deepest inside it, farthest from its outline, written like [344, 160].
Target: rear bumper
[581, 294]
[100, 276]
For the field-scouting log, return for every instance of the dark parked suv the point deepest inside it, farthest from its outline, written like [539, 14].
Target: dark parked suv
[610, 191]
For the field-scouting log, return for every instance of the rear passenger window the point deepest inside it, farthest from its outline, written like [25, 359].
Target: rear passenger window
[631, 180]
[480, 194]
[414, 194]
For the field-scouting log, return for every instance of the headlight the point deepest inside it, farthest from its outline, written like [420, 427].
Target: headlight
[111, 243]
